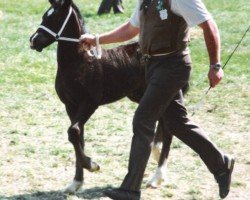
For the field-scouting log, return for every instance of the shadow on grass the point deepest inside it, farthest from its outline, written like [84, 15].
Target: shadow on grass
[93, 193]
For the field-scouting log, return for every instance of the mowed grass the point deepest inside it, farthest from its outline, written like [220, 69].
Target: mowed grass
[36, 159]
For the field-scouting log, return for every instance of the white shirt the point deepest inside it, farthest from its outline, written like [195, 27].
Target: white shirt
[194, 12]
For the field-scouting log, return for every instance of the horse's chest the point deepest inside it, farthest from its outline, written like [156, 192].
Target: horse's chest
[69, 86]
[79, 85]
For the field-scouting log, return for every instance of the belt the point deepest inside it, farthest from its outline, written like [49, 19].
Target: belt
[146, 57]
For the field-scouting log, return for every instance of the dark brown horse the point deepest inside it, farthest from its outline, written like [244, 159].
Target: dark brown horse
[83, 83]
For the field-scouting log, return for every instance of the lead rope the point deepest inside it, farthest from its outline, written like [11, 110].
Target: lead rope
[201, 102]
[97, 50]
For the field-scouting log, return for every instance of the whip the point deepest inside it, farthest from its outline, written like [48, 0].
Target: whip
[201, 102]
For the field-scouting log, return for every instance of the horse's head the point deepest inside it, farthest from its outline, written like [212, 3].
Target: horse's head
[62, 22]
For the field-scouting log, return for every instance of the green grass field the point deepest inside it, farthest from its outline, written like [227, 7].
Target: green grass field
[36, 159]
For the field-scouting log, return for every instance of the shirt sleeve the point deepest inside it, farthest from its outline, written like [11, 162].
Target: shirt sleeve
[193, 11]
[135, 17]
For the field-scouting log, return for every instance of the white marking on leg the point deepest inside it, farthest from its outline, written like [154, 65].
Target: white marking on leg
[94, 167]
[159, 178]
[229, 164]
[73, 187]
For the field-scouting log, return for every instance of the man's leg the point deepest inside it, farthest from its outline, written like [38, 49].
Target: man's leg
[191, 134]
[164, 84]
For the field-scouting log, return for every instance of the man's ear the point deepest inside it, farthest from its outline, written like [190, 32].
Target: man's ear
[66, 3]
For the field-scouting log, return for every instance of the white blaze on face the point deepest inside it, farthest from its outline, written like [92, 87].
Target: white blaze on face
[50, 12]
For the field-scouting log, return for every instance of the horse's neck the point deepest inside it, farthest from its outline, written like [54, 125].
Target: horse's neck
[67, 52]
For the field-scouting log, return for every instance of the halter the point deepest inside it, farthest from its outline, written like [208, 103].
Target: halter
[57, 36]
[96, 50]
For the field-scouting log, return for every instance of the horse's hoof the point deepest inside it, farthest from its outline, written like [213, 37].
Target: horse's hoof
[155, 183]
[152, 185]
[94, 167]
[73, 187]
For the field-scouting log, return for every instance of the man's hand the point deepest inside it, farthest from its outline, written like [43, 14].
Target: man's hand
[215, 76]
[87, 41]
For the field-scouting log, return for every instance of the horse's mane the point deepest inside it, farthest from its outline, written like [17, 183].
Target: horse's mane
[81, 20]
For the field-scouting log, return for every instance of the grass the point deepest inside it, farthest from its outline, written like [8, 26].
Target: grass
[37, 161]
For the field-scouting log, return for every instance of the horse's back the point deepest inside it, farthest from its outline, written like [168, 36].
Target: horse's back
[123, 73]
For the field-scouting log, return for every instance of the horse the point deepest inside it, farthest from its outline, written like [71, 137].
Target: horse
[83, 83]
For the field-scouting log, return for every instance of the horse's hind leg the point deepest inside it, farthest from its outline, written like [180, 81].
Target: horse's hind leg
[164, 137]
[76, 137]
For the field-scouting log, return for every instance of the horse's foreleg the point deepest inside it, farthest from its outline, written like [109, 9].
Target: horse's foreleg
[77, 183]
[76, 137]
[81, 159]
[79, 170]
[165, 137]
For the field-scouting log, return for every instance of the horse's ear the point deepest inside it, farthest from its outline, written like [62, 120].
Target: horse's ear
[66, 3]
[51, 2]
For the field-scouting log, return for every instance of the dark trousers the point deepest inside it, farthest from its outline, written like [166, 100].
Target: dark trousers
[163, 99]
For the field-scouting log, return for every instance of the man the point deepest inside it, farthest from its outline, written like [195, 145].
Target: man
[106, 5]
[163, 27]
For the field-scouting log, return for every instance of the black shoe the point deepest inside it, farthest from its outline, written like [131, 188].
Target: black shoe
[121, 194]
[224, 178]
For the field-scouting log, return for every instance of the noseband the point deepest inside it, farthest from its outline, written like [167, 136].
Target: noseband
[57, 36]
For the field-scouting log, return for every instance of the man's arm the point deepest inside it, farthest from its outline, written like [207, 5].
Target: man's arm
[212, 40]
[123, 33]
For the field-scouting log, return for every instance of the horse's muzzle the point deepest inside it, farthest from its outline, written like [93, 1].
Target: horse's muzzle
[35, 48]
[33, 45]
